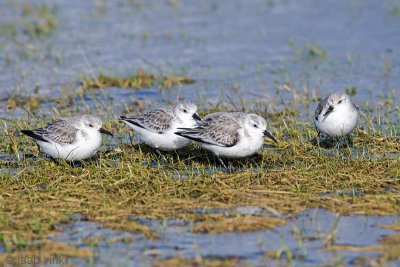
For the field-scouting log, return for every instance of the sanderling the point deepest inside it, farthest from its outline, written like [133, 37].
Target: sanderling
[70, 138]
[157, 127]
[230, 134]
[336, 115]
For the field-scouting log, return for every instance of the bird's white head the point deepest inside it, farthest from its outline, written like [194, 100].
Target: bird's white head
[339, 98]
[338, 101]
[90, 124]
[256, 126]
[186, 111]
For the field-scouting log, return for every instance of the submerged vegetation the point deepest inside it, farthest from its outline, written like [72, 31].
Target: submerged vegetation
[36, 21]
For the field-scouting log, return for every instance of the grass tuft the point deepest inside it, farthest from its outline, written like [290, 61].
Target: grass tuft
[139, 80]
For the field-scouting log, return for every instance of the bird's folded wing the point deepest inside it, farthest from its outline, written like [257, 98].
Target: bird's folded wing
[219, 131]
[156, 121]
[60, 131]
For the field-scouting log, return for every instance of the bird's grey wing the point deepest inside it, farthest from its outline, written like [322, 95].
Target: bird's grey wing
[60, 131]
[216, 130]
[157, 120]
[320, 107]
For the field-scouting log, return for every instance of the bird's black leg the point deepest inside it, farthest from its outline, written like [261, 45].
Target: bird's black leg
[319, 133]
[55, 161]
[222, 163]
[231, 168]
[161, 157]
[159, 153]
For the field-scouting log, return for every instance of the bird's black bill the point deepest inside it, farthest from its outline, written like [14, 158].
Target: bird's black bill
[196, 117]
[268, 134]
[330, 109]
[105, 132]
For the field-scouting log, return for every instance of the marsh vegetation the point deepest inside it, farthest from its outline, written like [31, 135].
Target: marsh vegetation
[292, 202]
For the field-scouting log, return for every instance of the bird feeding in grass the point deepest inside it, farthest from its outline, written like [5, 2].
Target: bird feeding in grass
[229, 134]
[156, 128]
[336, 115]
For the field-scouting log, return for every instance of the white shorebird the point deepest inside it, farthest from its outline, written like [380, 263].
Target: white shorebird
[336, 115]
[230, 134]
[70, 138]
[157, 127]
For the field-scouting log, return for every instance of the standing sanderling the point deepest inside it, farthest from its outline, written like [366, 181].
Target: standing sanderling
[336, 115]
[70, 138]
[230, 134]
[157, 127]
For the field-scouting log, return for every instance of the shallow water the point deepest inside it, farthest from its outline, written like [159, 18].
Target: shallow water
[8, 171]
[231, 48]
[236, 49]
[175, 239]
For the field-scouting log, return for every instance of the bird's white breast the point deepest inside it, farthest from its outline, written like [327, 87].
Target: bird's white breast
[83, 147]
[246, 146]
[341, 121]
[166, 140]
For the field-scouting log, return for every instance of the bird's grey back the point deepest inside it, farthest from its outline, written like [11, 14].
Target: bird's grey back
[219, 128]
[235, 116]
[157, 120]
[61, 131]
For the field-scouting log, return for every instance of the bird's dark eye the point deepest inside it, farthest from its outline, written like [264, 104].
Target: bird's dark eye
[91, 125]
[185, 110]
[255, 126]
[340, 101]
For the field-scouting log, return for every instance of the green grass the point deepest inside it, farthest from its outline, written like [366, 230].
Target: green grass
[294, 175]
[290, 176]
[138, 81]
